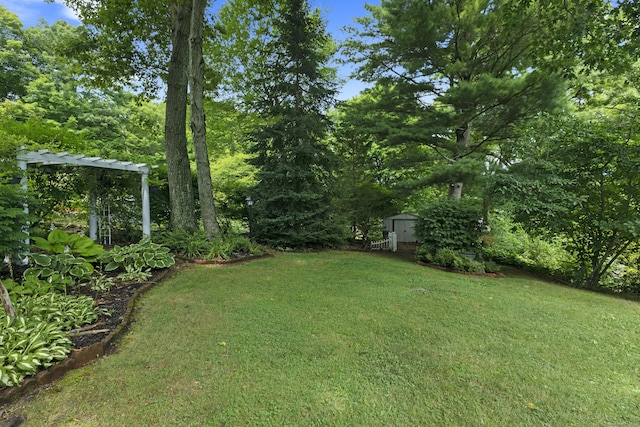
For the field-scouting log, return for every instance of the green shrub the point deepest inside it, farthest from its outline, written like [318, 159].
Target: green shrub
[491, 267]
[229, 246]
[13, 218]
[184, 243]
[196, 245]
[624, 275]
[447, 258]
[450, 224]
[453, 260]
[509, 244]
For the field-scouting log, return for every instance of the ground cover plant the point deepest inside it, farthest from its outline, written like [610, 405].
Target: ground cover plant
[49, 302]
[197, 246]
[343, 339]
[37, 337]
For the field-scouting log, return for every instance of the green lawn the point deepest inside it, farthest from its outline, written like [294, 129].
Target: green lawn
[356, 339]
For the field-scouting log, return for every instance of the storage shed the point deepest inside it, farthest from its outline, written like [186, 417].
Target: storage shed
[404, 226]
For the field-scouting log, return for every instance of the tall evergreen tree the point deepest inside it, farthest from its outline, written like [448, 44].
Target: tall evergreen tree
[293, 195]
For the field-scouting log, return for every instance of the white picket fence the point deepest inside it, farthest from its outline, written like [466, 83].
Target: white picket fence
[388, 244]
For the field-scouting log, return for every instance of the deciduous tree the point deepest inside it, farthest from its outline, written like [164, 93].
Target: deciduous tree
[144, 41]
[198, 121]
[579, 177]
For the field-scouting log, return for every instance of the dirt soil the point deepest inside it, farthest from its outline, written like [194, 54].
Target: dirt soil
[115, 300]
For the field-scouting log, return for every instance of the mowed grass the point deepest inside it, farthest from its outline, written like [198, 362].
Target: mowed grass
[356, 339]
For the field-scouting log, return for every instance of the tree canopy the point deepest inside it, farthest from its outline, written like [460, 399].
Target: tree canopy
[457, 76]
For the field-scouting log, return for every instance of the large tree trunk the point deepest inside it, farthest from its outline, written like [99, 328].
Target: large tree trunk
[463, 137]
[198, 122]
[183, 215]
[6, 301]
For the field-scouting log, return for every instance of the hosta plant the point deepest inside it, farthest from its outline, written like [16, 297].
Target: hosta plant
[37, 337]
[28, 345]
[59, 270]
[132, 275]
[59, 242]
[70, 312]
[137, 257]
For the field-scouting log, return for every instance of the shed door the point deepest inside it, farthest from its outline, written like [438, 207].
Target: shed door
[404, 228]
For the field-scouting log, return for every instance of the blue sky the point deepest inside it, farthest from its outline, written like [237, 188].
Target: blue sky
[338, 14]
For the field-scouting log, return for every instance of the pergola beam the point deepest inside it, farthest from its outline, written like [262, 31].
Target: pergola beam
[45, 157]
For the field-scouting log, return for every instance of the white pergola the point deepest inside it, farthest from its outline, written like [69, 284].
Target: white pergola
[45, 157]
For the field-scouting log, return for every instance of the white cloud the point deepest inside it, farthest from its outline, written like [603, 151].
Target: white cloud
[31, 11]
[69, 13]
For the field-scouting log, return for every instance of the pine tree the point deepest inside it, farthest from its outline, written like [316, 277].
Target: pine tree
[293, 196]
[455, 76]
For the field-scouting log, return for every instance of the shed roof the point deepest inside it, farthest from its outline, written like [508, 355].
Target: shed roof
[405, 215]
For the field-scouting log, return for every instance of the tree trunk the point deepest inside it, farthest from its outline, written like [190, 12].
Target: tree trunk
[6, 301]
[463, 137]
[182, 203]
[455, 190]
[198, 122]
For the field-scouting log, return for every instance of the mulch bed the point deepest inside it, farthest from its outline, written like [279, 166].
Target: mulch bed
[115, 300]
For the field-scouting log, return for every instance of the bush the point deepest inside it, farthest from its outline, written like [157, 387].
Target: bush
[491, 267]
[509, 244]
[184, 243]
[450, 224]
[451, 259]
[624, 276]
[196, 245]
[13, 218]
[446, 258]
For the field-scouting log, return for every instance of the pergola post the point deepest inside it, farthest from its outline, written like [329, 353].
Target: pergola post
[93, 216]
[24, 182]
[146, 215]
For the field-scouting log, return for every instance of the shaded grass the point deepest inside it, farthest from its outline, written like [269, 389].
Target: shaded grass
[346, 339]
